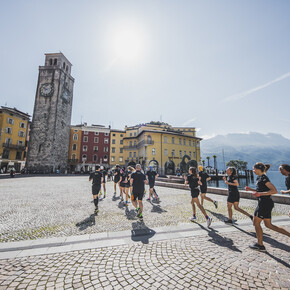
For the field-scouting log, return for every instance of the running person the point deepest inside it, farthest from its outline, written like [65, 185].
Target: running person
[97, 180]
[137, 180]
[234, 195]
[264, 190]
[130, 171]
[123, 182]
[104, 173]
[203, 188]
[285, 170]
[117, 178]
[194, 181]
[151, 175]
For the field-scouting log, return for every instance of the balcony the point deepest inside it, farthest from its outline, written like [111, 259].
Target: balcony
[14, 146]
[130, 147]
[145, 143]
[73, 161]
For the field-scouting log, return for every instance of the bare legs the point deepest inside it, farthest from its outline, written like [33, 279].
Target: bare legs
[236, 207]
[194, 201]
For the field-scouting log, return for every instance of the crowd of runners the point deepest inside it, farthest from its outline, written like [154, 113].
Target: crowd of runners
[131, 182]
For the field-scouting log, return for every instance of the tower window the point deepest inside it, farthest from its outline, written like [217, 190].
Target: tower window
[63, 65]
[66, 69]
[50, 61]
[55, 61]
[74, 148]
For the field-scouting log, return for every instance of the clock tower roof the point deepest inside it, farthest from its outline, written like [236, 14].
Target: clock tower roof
[58, 60]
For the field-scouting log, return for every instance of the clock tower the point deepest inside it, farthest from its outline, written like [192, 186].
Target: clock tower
[49, 135]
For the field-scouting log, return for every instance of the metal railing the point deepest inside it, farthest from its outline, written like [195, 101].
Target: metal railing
[13, 146]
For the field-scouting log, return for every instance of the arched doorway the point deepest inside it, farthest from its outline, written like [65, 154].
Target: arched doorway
[169, 167]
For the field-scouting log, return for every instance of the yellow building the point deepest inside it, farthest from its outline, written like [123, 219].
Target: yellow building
[162, 146]
[13, 137]
[116, 148]
[74, 147]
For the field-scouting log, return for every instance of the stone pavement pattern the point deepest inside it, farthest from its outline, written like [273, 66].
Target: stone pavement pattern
[207, 262]
[43, 206]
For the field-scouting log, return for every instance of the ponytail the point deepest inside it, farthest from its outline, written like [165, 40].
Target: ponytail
[263, 167]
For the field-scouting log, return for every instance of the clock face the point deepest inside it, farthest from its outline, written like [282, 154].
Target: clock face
[46, 90]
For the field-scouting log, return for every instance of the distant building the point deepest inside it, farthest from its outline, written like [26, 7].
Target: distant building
[160, 145]
[13, 135]
[89, 145]
[50, 128]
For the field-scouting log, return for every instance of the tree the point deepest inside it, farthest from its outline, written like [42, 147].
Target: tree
[203, 162]
[214, 161]
[207, 160]
[238, 164]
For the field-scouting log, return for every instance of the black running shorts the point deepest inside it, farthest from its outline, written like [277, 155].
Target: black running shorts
[96, 189]
[203, 188]
[194, 192]
[233, 197]
[138, 195]
[264, 208]
[151, 184]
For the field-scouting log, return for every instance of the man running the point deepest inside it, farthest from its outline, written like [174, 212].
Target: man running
[137, 180]
[285, 170]
[151, 175]
[96, 185]
[117, 178]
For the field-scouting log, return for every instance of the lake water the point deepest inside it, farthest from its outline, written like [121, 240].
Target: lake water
[275, 177]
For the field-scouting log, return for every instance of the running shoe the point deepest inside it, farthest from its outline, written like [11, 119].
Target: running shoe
[139, 215]
[208, 221]
[215, 204]
[228, 221]
[122, 199]
[137, 209]
[139, 212]
[258, 247]
[193, 218]
[148, 199]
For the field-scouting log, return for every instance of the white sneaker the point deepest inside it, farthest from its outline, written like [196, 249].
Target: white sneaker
[208, 221]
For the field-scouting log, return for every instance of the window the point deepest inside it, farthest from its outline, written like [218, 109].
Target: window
[85, 148]
[135, 143]
[8, 141]
[10, 121]
[85, 139]
[74, 147]
[113, 150]
[134, 154]
[96, 148]
[130, 154]
[73, 157]
[121, 142]
[120, 159]
[20, 143]
[173, 140]
[135, 134]
[95, 158]
[149, 139]
[55, 61]
[130, 134]
[107, 134]
[179, 141]
[190, 154]
[165, 152]
[22, 125]
[106, 149]
[113, 158]
[18, 155]
[5, 154]
[180, 153]
[21, 134]
[96, 133]
[113, 141]
[105, 158]
[50, 61]
[8, 130]
[86, 132]
[84, 157]
[165, 139]
[153, 151]
[63, 65]
[121, 135]
[193, 143]
[106, 140]
[75, 137]
[96, 139]
[197, 144]
[189, 142]
[184, 142]
[130, 144]
[173, 152]
[194, 155]
[121, 150]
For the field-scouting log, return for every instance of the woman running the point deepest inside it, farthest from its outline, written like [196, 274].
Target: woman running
[264, 190]
[194, 182]
[123, 182]
[234, 195]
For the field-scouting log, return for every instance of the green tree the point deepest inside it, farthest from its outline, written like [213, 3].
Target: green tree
[203, 163]
[207, 160]
[238, 164]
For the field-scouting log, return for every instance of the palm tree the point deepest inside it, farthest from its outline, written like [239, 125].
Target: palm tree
[207, 160]
[203, 162]
[214, 161]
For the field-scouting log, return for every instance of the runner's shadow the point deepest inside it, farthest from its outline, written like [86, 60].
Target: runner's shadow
[278, 260]
[114, 198]
[141, 233]
[130, 214]
[157, 208]
[220, 240]
[87, 222]
[121, 204]
[268, 239]
[219, 216]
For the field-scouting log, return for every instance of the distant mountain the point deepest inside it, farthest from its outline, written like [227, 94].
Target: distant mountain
[251, 147]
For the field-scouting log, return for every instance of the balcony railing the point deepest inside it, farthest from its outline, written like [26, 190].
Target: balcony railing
[14, 146]
[145, 143]
[130, 147]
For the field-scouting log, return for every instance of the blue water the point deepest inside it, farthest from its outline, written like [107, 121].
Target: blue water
[275, 177]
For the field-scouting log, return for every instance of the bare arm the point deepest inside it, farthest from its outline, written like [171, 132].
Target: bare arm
[208, 179]
[235, 183]
[285, 191]
[199, 182]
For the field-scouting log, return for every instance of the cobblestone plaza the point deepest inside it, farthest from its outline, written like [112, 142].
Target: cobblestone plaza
[165, 252]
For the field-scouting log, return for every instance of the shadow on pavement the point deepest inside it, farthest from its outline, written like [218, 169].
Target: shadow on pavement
[141, 233]
[88, 222]
[157, 208]
[114, 198]
[278, 260]
[130, 214]
[220, 240]
[219, 216]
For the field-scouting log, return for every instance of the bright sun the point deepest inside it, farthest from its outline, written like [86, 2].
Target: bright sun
[128, 44]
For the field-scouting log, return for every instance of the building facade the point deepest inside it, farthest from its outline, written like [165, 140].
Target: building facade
[89, 145]
[50, 128]
[116, 148]
[14, 126]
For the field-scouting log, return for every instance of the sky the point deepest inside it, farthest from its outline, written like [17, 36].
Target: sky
[220, 66]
